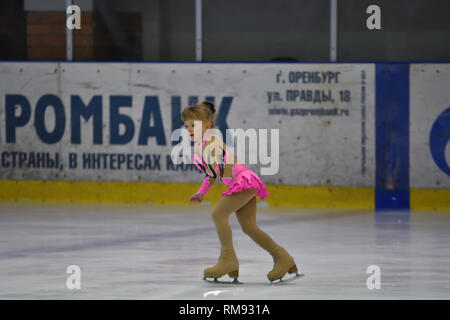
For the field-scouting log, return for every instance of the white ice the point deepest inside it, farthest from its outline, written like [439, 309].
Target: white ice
[129, 251]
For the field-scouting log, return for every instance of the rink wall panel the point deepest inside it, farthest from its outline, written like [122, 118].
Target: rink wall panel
[320, 116]
[392, 121]
[429, 136]
[111, 115]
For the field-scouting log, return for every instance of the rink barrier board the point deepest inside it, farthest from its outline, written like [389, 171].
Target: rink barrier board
[163, 193]
[430, 199]
[125, 109]
[392, 100]
[392, 136]
[393, 189]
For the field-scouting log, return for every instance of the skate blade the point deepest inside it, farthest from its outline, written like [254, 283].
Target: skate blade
[216, 281]
[281, 280]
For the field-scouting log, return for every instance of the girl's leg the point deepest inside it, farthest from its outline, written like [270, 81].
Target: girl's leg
[228, 262]
[283, 261]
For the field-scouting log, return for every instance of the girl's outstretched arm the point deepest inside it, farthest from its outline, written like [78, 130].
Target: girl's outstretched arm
[206, 185]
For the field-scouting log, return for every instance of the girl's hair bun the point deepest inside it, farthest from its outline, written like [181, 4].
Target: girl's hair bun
[210, 105]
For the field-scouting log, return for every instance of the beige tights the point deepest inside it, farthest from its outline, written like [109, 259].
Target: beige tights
[244, 204]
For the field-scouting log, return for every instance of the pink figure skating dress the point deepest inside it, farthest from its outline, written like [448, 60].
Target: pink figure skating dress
[242, 179]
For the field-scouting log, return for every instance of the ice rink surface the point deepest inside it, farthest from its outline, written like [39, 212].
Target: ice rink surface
[145, 252]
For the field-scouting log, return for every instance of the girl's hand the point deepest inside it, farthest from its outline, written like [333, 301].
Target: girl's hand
[196, 198]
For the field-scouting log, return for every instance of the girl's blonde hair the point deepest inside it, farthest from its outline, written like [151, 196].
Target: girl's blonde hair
[202, 111]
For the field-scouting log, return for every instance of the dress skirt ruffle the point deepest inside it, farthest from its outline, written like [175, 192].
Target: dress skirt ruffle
[244, 178]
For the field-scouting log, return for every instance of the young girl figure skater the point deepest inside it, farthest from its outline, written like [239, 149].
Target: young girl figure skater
[240, 197]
